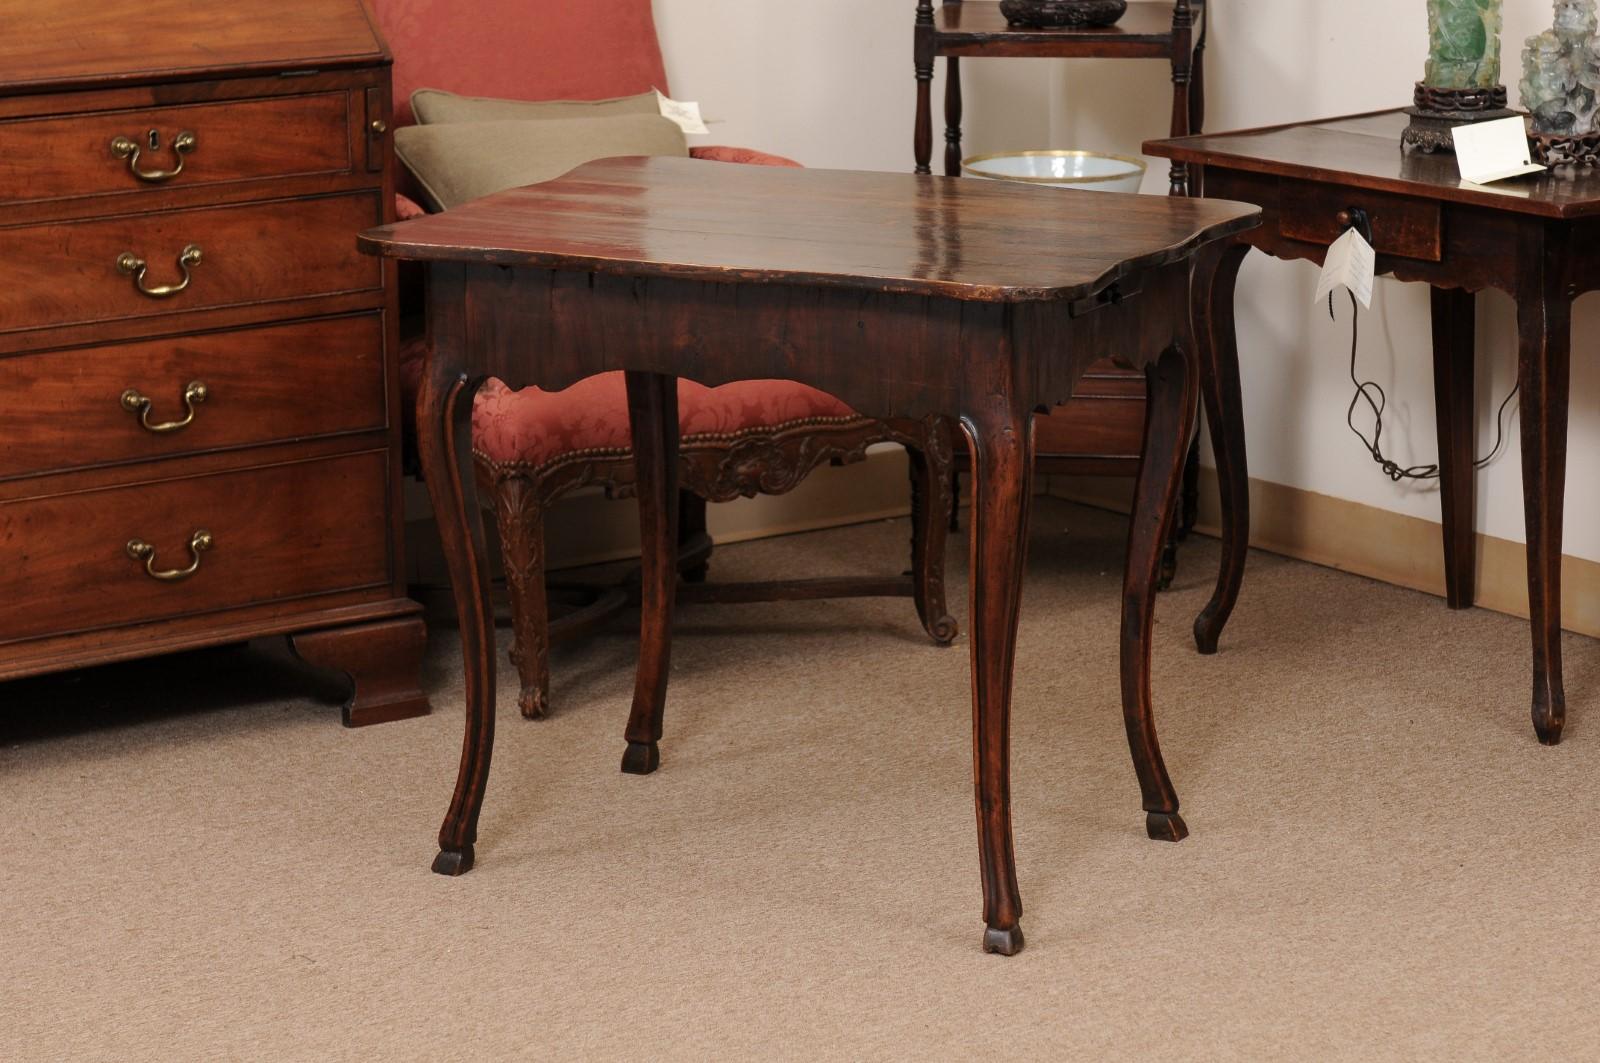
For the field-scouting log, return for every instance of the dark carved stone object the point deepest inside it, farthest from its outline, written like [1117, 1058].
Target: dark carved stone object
[1435, 112]
[1555, 149]
[1056, 14]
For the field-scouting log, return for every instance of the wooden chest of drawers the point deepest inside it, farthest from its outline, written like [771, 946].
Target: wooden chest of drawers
[200, 441]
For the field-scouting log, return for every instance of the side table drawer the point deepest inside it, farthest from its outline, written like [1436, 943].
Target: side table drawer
[111, 153]
[73, 273]
[1401, 225]
[276, 533]
[77, 408]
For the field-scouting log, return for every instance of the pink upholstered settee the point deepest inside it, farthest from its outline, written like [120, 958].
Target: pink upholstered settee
[532, 446]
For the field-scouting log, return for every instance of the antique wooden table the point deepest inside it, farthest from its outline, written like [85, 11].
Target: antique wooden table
[908, 297]
[1529, 237]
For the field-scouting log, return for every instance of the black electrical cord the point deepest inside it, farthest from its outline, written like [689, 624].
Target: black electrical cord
[1365, 390]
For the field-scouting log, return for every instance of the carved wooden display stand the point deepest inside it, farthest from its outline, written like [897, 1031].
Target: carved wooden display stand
[201, 441]
[1100, 431]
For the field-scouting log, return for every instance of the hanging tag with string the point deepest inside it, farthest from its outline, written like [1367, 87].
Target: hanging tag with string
[1351, 264]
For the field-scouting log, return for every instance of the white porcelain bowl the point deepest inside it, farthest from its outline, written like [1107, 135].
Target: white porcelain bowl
[1060, 169]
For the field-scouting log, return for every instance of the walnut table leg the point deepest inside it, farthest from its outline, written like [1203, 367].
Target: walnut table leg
[1171, 386]
[1001, 443]
[444, 445]
[932, 504]
[1215, 275]
[1454, 354]
[653, 416]
[1544, 323]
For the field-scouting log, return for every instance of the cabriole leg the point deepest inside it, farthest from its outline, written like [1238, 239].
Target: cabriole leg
[653, 416]
[1001, 444]
[1171, 387]
[1215, 275]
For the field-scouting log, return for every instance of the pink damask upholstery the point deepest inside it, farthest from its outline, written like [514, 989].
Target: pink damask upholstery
[533, 428]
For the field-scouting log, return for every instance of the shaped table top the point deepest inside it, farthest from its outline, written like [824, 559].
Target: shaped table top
[955, 238]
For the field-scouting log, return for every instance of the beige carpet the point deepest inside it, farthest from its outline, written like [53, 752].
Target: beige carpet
[200, 864]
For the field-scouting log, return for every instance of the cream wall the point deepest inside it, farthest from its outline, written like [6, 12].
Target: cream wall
[830, 83]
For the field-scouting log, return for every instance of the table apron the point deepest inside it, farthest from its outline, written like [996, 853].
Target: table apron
[1478, 247]
[888, 355]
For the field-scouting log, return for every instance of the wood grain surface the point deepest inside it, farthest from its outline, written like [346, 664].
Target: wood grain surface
[51, 44]
[1363, 151]
[958, 239]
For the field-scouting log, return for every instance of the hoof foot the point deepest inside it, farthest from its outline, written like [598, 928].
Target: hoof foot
[534, 703]
[453, 862]
[1548, 722]
[641, 758]
[1165, 827]
[1004, 942]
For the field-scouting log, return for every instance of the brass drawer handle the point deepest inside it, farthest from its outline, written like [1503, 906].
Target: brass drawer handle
[128, 148]
[140, 550]
[139, 406]
[132, 264]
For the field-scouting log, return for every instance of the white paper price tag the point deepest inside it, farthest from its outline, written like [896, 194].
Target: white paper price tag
[1352, 264]
[1493, 151]
[683, 112]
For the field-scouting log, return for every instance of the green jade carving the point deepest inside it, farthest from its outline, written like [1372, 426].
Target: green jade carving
[1464, 44]
[1561, 72]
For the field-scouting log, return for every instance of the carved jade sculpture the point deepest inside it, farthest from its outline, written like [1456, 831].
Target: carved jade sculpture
[1561, 73]
[1463, 44]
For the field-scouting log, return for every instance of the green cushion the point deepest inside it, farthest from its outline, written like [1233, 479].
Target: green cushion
[460, 161]
[435, 105]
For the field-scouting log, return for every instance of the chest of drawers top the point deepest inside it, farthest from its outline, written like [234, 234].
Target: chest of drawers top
[54, 45]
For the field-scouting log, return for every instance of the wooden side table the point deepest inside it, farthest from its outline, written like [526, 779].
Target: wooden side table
[1529, 237]
[665, 268]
